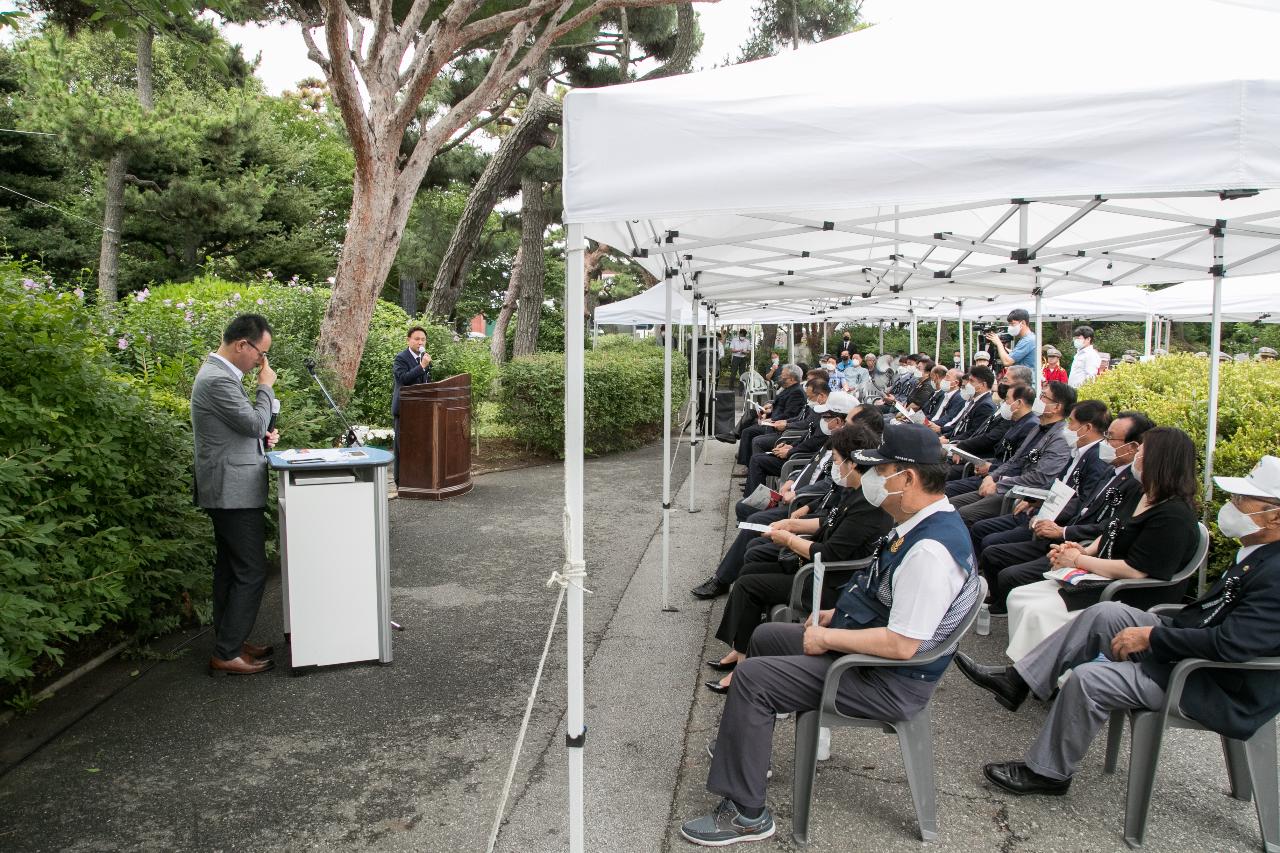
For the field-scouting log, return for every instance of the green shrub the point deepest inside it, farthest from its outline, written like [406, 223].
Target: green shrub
[623, 396]
[97, 525]
[1174, 391]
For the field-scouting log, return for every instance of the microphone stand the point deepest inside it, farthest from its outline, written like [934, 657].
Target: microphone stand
[350, 438]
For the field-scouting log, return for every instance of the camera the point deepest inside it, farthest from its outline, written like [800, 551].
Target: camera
[1002, 332]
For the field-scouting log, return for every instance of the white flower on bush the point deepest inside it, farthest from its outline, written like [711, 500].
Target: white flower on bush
[141, 295]
[366, 434]
[332, 280]
[79, 292]
[28, 284]
[261, 302]
[188, 316]
[168, 302]
[294, 280]
[235, 297]
[268, 274]
[122, 343]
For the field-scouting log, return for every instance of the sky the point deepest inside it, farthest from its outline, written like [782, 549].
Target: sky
[284, 62]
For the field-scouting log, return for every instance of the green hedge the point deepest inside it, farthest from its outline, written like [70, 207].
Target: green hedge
[623, 395]
[1174, 391]
[164, 334]
[97, 525]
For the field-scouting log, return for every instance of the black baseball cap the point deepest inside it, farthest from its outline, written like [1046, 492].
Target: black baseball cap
[911, 444]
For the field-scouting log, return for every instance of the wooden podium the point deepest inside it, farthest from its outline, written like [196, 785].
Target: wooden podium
[435, 439]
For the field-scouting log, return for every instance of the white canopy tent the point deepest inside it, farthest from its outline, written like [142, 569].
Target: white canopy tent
[921, 159]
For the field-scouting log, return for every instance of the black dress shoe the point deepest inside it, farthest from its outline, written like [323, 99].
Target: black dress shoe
[710, 588]
[1017, 778]
[720, 666]
[717, 687]
[1002, 682]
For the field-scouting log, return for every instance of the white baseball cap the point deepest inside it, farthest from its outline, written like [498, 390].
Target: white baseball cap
[838, 402]
[1263, 481]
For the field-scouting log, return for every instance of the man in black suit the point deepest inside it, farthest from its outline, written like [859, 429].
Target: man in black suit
[978, 408]
[1016, 557]
[789, 404]
[1236, 621]
[946, 402]
[412, 367]
[1085, 474]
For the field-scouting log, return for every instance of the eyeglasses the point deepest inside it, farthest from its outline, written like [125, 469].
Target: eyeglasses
[262, 353]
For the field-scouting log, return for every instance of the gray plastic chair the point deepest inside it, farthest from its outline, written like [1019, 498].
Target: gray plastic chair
[797, 607]
[1251, 764]
[1120, 587]
[915, 736]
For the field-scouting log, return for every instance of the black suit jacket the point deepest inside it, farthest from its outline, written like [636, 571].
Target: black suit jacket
[1089, 475]
[949, 411]
[1113, 499]
[789, 403]
[1237, 620]
[974, 420]
[407, 371]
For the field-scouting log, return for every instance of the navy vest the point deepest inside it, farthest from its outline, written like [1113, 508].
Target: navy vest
[867, 600]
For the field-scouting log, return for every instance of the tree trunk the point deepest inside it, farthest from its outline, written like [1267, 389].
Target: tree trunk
[532, 130]
[498, 343]
[687, 45]
[380, 204]
[770, 331]
[409, 294]
[535, 215]
[113, 186]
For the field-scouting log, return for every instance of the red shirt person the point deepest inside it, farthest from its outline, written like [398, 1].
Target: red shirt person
[1053, 370]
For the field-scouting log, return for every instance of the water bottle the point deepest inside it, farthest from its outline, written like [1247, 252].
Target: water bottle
[824, 743]
[983, 626]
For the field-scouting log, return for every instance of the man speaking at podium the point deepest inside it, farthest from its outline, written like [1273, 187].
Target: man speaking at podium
[231, 435]
[412, 367]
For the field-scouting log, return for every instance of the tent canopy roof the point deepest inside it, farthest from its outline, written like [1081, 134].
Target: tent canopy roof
[981, 167]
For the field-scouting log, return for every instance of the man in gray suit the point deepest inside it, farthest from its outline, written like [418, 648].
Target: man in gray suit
[231, 436]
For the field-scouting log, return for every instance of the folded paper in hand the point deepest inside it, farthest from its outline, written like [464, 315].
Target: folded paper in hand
[758, 528]
[1072, 576]
[763, 498]
[1060, 494]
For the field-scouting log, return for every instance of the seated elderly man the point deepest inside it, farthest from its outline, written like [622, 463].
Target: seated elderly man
[920, 587]
[789, 404]
[1044, 455]
[977, 406]
[1012, 423]
[1237, 620]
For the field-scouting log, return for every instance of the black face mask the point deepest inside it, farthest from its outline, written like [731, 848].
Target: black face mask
[1002, 390]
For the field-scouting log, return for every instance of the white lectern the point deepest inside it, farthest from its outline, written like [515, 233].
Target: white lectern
[334, 556]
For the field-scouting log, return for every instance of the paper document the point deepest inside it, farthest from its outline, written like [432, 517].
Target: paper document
[1028, 492]
[304, 455]
[1060, 494]
[951, 449]
[819, 573]
[759, 528]
[1071, 576]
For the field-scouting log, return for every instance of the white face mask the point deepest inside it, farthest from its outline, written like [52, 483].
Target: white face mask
[937, 386]
[825, 426]
[1236, 524]
[881, 367]
[1137, 471]
[1078, 343]
[1005, 412]
[1072, 438]
[857, 363]
[837, 478]
[1037, 408]
[873, 487]
[967, 392]
[1013, 331]
[1106, 452]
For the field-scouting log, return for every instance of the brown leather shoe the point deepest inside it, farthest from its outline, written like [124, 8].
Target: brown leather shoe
[238, 666]
[259, 652]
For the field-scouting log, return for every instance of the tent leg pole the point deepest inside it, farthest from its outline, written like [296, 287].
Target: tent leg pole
[1146, 338]
[881, 351]
[693, 407]
[937, 341]
[709, 385]
[1039, 339]
[666, 456]
[791, 334]
[964, 353]
[1211, 437]
[574, 401]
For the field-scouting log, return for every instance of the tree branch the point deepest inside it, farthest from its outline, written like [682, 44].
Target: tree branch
[495, 115]
[686, 48]
[313, 51]
[343, 85]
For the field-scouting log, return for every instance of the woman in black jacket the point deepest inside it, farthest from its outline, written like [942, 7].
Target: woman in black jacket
[844, 527]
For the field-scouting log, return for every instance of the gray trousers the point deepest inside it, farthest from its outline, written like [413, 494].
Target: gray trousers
[1094, 690]
[778, 677]
[239, 576]
[974, 508]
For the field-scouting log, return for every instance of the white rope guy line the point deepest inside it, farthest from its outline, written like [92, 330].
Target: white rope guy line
[59, 210]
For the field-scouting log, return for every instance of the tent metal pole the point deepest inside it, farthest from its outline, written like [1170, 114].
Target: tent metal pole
[791, 332]
[595, 332]
[752, 366]
[574, 401]
[937, 341]
[709, 377]
[693, 405]
[1215, 347]
[1039, 338]
[915, 336]
[1146, 338]
[666, 455]
[964, 353]
[881, 350]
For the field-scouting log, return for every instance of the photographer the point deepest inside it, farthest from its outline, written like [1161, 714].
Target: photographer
[1022, 338]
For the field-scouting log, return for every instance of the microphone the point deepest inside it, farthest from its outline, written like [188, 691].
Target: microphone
[275, 410]
[310, 365]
